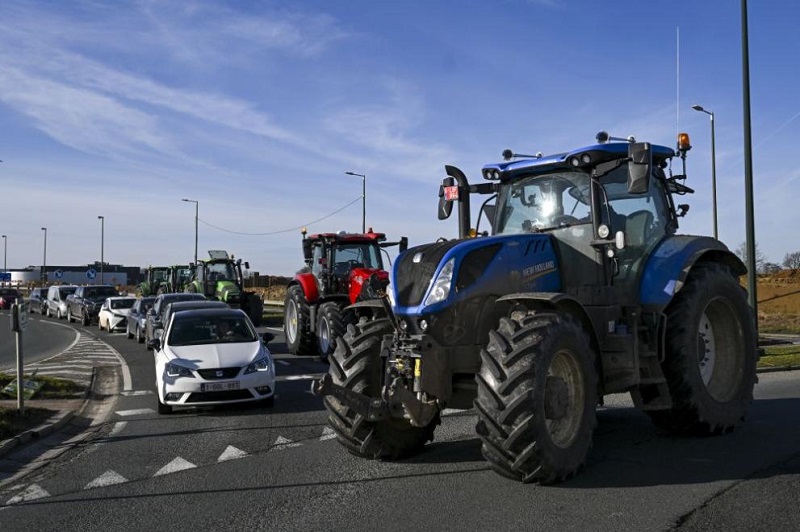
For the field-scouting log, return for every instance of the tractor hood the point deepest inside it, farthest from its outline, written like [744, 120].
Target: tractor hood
[432, 277]
[228, 292]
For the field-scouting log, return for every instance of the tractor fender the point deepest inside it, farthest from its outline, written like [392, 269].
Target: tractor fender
[556, 301]
[368, 303]
[669, 265]
[308, 284]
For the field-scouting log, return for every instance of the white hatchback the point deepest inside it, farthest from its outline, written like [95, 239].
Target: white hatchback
[209, 357]
[114, 312]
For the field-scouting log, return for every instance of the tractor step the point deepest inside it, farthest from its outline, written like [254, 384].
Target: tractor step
[652, 392]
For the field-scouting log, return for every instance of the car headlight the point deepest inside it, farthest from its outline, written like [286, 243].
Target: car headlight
[174, 370]
[442, 284]
[262, 364]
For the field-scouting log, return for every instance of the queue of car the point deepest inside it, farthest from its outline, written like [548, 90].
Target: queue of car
[205, 353]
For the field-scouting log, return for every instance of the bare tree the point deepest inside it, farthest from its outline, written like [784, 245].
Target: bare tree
[761, 260]
[792, 261]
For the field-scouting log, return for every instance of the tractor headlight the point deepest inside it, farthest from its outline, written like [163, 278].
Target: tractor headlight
[390, 295]
[442, 284]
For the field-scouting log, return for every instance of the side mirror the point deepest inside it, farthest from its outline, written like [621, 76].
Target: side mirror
[267, 337]
[154, 344]
[246, 265]
[446, 198]
[404, 243]
[639, 166]
[308, 254]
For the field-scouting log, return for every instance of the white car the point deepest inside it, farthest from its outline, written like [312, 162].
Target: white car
[114, 313]
[211, 356]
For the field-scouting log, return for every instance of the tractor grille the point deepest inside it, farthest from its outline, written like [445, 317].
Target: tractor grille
[224, 373]
[413, 278]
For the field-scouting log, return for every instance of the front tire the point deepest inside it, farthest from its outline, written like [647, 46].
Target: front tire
[537, 392]
[162, 408]
[357, 365]
[710, 363]
[330, 328]
[139, 337]
[85, 318]
[297, 323]
[69, 315]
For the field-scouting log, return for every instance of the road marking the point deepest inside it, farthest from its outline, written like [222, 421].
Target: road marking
[299, 377]
[117, 428]
[106, 479]
[179, 464]
[327, 434]
[136, 412]
[284, 443]
[231, 453]
[136, 393]
[33, 492]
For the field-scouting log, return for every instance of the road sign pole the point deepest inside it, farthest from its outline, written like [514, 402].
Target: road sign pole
[18, 324]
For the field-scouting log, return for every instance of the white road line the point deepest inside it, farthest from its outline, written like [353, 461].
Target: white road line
[136, 393]
[31, 493]
[299, 377]
[106, 479]
[231, 453]
[117, 428]
[136, 412]
[179, 464]
[327, 434]
[284, 443]
[62, 372]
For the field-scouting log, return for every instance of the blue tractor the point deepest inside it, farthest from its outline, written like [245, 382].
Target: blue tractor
[581, 288]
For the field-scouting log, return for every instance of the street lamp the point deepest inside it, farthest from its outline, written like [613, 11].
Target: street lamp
[5, 253]
[713, 167]
[363, 200]
[44, 259]
[102, 242]
[196, 212]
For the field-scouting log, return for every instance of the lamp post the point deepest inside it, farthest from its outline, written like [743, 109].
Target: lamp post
[102, 242]
[5, 253]
[363, 200]
[713, 167]
[196, 212]
[44, 259]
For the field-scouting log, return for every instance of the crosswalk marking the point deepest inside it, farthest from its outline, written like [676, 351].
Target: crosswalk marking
[179, 464]
[231, 453]
[135, 412]
[106, 479]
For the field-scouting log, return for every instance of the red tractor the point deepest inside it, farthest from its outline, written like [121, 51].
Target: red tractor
[338, 266]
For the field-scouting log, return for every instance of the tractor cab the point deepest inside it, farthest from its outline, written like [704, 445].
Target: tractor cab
[219, 277]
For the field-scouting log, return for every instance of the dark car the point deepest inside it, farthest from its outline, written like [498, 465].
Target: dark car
[9, 296]
[156, 314]
[137, 317]
[85, 303]
[37, 300]
[176, 306]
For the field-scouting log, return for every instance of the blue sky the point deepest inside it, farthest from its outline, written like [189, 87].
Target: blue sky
[257, 108]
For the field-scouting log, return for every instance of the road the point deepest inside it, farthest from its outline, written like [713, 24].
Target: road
[43, 338]
[280, 469]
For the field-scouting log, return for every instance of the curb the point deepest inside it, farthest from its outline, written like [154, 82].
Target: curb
[56, 422]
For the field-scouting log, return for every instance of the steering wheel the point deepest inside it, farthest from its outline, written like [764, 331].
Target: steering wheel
[565, 219]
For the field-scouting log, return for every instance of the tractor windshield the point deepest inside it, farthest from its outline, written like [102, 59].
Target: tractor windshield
[357, 255]
[543, 202]
[220, 271]
[159, 275]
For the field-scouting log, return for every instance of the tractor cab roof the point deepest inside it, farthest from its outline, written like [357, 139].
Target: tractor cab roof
[368, 237]
[586, 157]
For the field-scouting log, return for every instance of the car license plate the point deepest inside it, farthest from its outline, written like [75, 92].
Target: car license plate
[219, 386]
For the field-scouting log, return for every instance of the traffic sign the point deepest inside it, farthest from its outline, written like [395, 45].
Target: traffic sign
[58, 274]
[91, 273]
[5, 276]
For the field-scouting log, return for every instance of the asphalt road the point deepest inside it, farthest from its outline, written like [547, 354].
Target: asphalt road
[279, 469]
[43, 338]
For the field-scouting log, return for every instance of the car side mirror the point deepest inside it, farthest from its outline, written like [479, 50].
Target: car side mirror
[154, 344]
[267, 337]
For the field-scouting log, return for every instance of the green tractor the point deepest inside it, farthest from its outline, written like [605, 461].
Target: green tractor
[156, 282]
[220, 277]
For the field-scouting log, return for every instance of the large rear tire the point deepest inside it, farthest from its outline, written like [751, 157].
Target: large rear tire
[330, 327]
[297, 323]
[537, 393]
[710, 362]
[356, 364]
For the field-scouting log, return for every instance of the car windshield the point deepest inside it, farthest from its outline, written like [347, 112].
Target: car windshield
[543, 202]
[100, 291]
[122, 303]
[211, 329]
